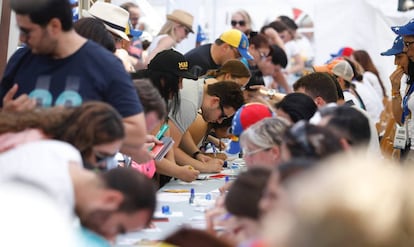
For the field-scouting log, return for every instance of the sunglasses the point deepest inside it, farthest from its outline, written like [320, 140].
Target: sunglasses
[186, 30]
[241, 23]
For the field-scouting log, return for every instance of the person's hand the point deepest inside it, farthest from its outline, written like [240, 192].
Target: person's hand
[151, 141]
[213, 218]
[223, 189]
[21, 103]
[395, 78]
[203, 158]
[213, 165]
[144, 154]
[188, 173]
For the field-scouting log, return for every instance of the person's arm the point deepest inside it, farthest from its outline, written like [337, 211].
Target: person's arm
[297, 66]
[135, 136]
[280, 79]
[169, 168]
[189, 147]
[165, 43]
[396, 97]
[182, 158]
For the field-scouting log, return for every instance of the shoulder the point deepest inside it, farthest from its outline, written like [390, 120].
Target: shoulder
[92, 55]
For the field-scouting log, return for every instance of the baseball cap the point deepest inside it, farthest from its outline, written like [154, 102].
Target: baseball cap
[327, 68]
[173, 62]
[238, 40]
[397, 47]
[343, 69]
[343, 52]
[245, 116]
[407, 29]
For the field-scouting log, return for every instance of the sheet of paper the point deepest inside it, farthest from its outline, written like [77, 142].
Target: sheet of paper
[159, 214]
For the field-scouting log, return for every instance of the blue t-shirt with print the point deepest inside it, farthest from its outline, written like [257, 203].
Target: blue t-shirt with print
[91, 73]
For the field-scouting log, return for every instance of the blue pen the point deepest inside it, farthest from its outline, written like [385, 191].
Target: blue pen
[214, 149]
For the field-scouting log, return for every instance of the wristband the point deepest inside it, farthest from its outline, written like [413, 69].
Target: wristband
[194, 155]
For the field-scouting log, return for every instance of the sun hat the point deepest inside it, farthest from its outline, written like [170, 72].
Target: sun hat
[397, 47]
[182, 17]
[238, 40]
[173, 62]
[114, 17]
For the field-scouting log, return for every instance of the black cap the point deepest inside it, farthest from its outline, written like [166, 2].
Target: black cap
[173, 62]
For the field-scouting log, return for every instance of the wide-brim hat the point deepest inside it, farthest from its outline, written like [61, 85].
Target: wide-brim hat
[182, 17]
[397, 47]
[113, 17]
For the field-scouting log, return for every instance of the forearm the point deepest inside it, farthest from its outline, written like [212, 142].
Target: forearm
[396, 108]
[187, 144]
[184, 159]
[167, 167]
[135, 134]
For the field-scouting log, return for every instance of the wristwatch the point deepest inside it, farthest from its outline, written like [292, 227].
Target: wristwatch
[194, 155]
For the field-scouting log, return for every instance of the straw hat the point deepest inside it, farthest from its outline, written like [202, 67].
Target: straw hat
[182, 17]
[114, 17]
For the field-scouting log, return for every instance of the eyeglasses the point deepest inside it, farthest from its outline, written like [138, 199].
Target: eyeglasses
[408, 43]
[250, 153]
[241, 23]
[223, 114]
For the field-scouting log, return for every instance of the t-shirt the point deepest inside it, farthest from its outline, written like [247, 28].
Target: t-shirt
[45, 165]
[373, 104]
[372, 79]
[191, 97]
[91, 73]
[200, 60]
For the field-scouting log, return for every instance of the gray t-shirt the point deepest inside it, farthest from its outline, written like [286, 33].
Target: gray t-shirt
[191, 97]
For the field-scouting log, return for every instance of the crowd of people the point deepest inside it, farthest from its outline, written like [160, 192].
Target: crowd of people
[84, 104]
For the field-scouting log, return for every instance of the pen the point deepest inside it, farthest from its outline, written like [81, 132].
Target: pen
[214, 149]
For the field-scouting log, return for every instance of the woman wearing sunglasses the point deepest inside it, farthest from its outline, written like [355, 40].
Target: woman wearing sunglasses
[241, 20]
[179, 24]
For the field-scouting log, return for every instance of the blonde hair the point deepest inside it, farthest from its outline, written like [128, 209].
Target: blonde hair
[169, 28]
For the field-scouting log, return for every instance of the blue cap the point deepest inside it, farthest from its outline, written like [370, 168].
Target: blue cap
[238, 40]
[407, 29]
[135, 33]
[397, 47]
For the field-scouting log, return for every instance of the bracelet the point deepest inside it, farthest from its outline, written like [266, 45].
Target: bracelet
[396, 96]
[194, 155]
